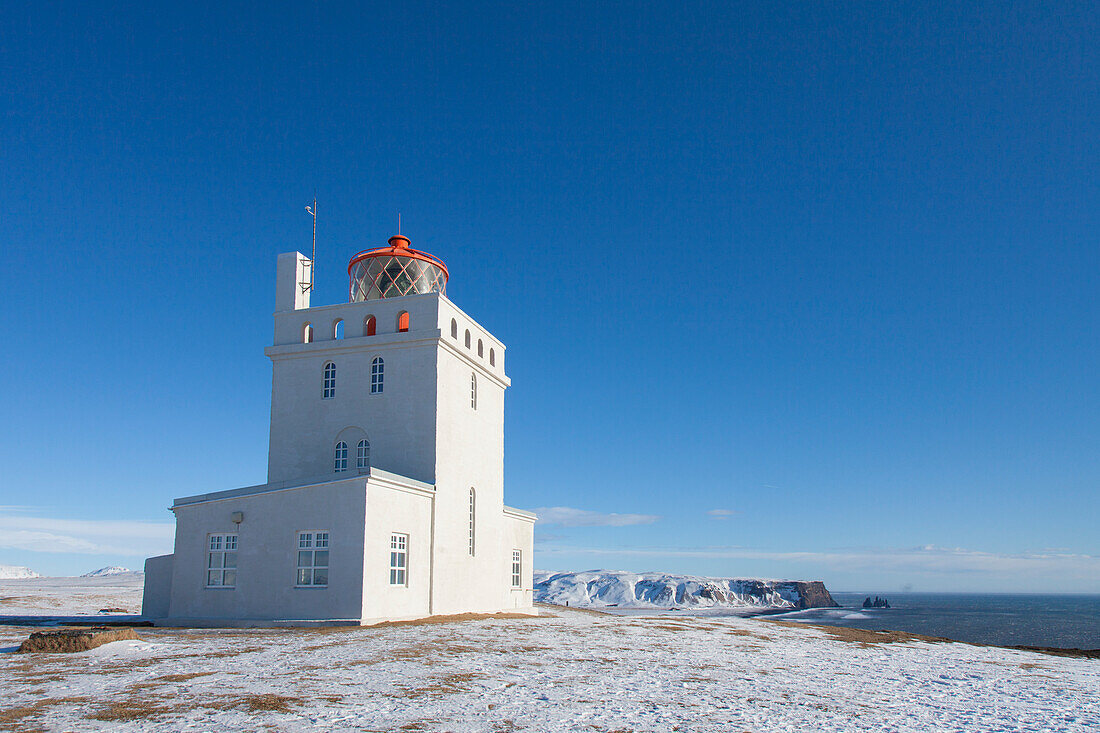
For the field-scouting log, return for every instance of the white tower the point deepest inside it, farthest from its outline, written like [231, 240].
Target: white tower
[399, 379]
[387, 441]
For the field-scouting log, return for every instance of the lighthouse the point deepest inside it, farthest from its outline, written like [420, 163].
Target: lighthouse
[384, 497]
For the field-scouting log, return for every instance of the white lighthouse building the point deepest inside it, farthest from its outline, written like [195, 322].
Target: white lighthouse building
[385, 488]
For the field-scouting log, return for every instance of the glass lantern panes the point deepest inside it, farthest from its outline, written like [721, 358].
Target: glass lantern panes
[394, 276]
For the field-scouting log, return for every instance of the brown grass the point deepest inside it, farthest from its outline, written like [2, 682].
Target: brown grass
[268, 703]
[446, 685]
[13, 719]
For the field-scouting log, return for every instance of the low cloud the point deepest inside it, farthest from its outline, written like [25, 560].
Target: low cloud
[924, 559]
[569, 517]
[721, 513]
[84, 536]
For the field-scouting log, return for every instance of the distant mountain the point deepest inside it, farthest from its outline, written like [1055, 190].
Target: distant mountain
[606, 588]
[103, 572]
[13, 572]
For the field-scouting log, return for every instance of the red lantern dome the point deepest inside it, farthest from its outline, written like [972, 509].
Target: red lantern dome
[394, 271]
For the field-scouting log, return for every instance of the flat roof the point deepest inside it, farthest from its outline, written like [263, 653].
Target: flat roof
[287, 485]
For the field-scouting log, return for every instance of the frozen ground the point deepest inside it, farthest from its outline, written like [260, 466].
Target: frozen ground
[566, 670]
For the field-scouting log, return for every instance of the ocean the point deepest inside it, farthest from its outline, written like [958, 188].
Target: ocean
[1066, 621]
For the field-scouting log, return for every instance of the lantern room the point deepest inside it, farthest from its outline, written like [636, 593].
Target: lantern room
[394, 271]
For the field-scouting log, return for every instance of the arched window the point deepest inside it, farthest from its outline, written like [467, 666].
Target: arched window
[340, 462]
[467, 338]
[473, 516]
[370, 326]
[473, 390]
[338, 328]
[328, 389]
[454, 329]
[307, 333]
[362, 454]
[480, 348]
[402, 321]
[492, 357]
[377, 375]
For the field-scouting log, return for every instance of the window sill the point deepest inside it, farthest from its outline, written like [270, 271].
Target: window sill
[220, 587]
[312, 587]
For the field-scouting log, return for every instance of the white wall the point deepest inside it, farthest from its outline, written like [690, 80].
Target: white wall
[267, 554]
[392, 510]
[399, 422]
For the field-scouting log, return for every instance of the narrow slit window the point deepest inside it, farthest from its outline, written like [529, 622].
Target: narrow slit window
[399, 559]
[473, 517]
[221, 561]
[480, 348]
[454, 329]
[370, 326]
[328, 390]
[517, 569]
[307, 334]
[473, 390]
[467, 338]
[338, 329]
[403, 322]
[492, 357]
[340, 461]
[312, 559]
[377, 375]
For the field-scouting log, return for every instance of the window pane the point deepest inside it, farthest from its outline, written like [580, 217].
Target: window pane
[320, 577]
[215, 560]
[401, 577]
[231, 542]
[305, 559]
[320, 558]
[230, 577]
[230, 560]
[322, 539]
[216, 542]
[393, 559]
[213, 577]
[393, 577]
[305, 540]
[304, 577]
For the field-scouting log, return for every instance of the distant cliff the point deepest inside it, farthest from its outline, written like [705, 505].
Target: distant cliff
[614, 588]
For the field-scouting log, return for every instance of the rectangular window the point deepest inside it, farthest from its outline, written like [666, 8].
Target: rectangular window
[399, 559]
[517, 569]
[312, 559]
[221, 561]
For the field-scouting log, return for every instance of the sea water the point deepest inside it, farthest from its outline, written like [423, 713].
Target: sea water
[1067, 621]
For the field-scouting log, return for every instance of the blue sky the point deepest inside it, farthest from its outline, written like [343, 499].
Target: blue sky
[788, 291]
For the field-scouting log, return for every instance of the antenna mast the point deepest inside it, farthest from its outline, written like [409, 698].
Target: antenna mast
[313, 255]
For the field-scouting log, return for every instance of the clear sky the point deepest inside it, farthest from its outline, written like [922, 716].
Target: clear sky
[789, 289]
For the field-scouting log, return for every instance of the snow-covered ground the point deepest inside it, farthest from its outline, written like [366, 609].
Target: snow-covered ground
[565, 670]
[70, 596]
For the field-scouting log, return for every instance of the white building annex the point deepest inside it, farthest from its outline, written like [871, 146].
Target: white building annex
[385, 489]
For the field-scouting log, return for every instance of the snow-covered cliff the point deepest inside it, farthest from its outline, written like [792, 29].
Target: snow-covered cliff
[603, 588]
[13, 572]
